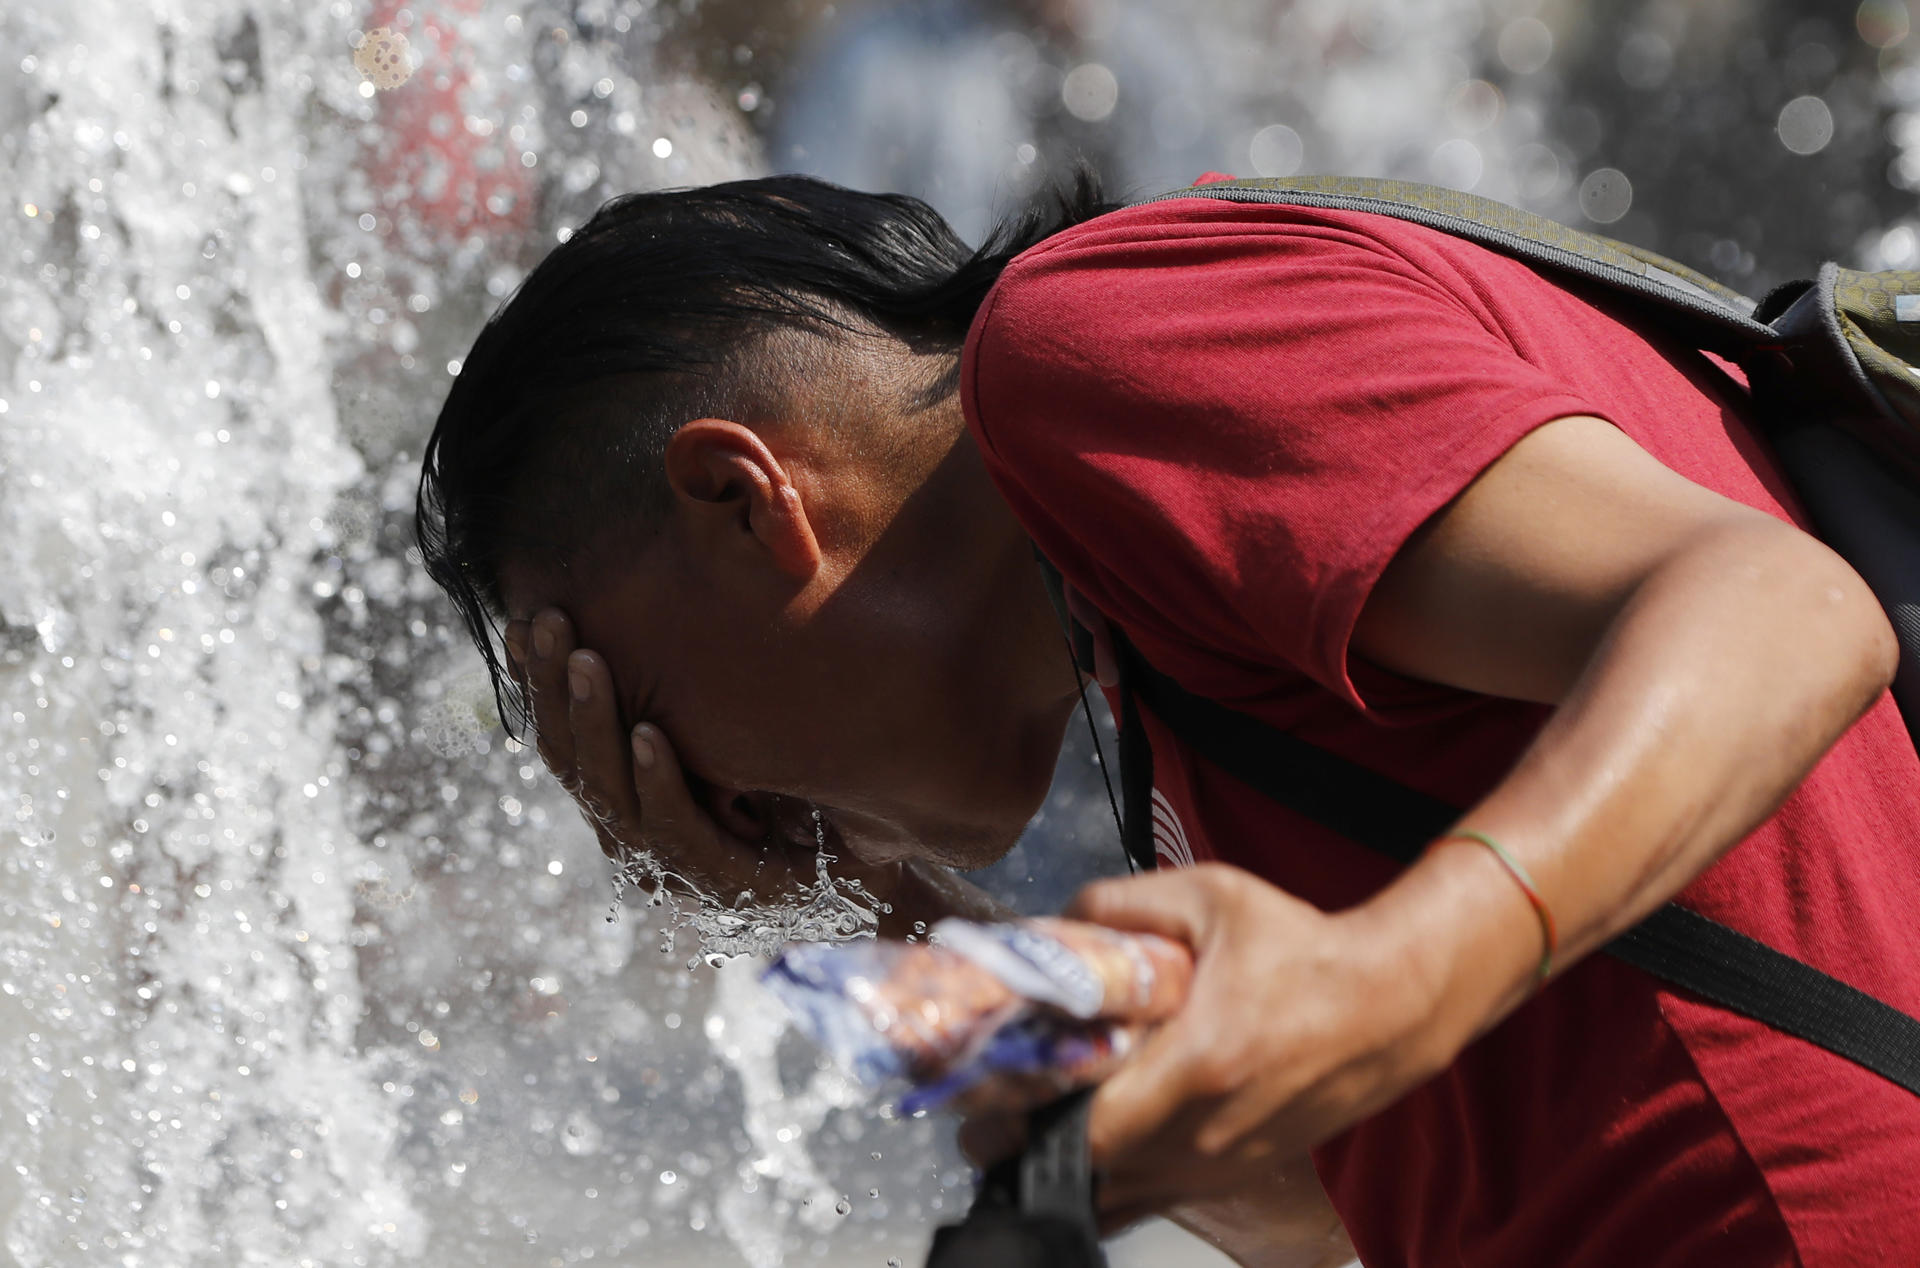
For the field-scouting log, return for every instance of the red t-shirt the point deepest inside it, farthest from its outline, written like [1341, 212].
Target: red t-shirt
[1221, 421]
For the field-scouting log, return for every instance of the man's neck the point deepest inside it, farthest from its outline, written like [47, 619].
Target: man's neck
[1027, 629]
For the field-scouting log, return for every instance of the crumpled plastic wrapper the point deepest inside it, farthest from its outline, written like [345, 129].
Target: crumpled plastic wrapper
[1056, 1000]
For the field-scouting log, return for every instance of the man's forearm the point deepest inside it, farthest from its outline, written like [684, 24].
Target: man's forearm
[1724, 678]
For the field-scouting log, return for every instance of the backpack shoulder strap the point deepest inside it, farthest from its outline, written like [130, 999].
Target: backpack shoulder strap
[1714, 316]
[1674, 944]
[1360, 804]
[1079, 637]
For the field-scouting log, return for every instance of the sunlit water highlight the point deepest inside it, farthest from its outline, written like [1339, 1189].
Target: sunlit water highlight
[828, 908]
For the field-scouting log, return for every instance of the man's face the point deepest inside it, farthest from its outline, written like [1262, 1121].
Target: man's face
[912, 689]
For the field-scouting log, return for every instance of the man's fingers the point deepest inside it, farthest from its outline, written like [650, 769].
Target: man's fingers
[551, 639]
[669, 817]
[1177, 904]
[515, 635]
[1004, 1094]
[1166, 1076]
[606, 788]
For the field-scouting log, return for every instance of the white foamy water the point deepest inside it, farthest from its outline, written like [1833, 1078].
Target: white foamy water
[177, 934]
[829, 908]
[256, 1004]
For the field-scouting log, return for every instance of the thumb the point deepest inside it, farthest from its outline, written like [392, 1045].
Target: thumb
[1178, 904]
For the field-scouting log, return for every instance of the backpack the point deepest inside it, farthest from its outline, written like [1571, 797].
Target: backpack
[1834, 368]
[1833, 365]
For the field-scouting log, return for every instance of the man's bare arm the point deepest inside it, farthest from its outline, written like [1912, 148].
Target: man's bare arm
[1702, 657]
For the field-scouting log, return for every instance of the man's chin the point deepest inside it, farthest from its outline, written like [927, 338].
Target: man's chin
[982, 849]
[976, 824]
[960, 845]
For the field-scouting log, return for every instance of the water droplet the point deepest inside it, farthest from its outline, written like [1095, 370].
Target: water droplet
[842, 1207]
[667, 1177]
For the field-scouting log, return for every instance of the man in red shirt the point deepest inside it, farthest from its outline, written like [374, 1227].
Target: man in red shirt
[762, 466]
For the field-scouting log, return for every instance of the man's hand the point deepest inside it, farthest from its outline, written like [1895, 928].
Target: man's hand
[630, 786]
[1267, 1058]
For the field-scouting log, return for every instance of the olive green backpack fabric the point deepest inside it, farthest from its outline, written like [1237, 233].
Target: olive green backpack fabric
[1833, 364]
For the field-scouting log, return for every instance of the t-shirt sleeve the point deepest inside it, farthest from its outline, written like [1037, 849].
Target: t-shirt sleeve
[1225, 429]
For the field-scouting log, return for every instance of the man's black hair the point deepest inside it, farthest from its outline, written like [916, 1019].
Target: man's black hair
[658, 311]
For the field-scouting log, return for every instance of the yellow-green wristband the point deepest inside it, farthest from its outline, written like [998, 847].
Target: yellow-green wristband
[1525, 881]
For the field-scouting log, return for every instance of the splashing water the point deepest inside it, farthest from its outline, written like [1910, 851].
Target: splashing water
[273, 987]
[781, 1182]
[829, 909]
[177, 928]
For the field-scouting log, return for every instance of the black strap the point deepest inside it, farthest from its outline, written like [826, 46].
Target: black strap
[1380, 813]
[1036, 1209]
[1674, 944]
[1136, 754]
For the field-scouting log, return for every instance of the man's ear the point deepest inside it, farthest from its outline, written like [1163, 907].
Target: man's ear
[735, 490]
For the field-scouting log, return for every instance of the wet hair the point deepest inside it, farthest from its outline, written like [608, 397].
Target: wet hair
[668, 306]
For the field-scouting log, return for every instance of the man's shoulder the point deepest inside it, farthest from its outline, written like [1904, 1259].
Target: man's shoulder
[1161, 238]
[1133, 268]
